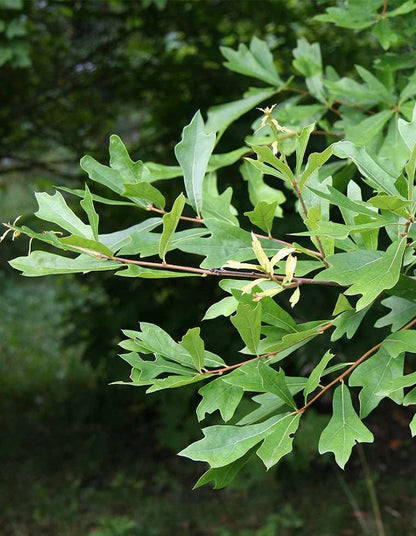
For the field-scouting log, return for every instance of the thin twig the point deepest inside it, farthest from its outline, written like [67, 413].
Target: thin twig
[283, 242]
[339, 378]
[201, 222]
[384, 10]
[184, 218]
[220, 272]
[263, 356]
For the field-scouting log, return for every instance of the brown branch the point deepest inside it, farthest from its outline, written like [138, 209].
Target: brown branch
[326, 133]
[311, 251]
[263, 356]
[384, 10]
[220, 272]
[350, 369]
[184, 218]
[355, 106]
[201, 222]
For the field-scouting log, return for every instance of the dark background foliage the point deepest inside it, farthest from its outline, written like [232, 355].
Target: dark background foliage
[78, 456]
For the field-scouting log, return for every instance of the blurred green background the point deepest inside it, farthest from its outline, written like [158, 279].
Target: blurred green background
[80, 457]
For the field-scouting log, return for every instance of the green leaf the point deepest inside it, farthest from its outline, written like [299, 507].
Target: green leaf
[401, 312]
[249, 378]
[118, 239]
[173, 382]
[301, 144]
[410, 172]
[384, 33]
[97, 198]
[256, 61]
[275, 382]
[342, 305]
[308, 61]
[224, 444]
[354, 15]
[315, 376]
[410, 398]
[413, 426]
[258, 190]
[144, 194]
[149, 369]
[54, 209]
[338, 230]
[160, 172]
[81, 242]
[315, 162]
[363, 133]
[222, 476]
[247, 321]
[392, 203]
[265, 154]
[147, 244]
[218, 206]
[376, 176]
[218, 161]
[122, 169]
[376, 86]
[170, 222]
[347, 323]
[394, 152]
[374, 375]
[409, 91]
[274, 315]
[42, 263]
[399, 342]
[270, 403]
[88, 206]
[405, 288]
[192, 342]
[398, 384]
[154, 340]
[219, 395]
[225, 307]
[345, 428]
[288, 343]
[338, 199]
[193, 153]
[280, 442]
[220, 117]
[351, 92]
[368, 272]
[408, 130]
[227, 242]
[263, 215]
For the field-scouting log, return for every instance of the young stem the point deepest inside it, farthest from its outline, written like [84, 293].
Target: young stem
[263, 356]
[201, 222]
[295, 186]
[339, 378]
[220, 272]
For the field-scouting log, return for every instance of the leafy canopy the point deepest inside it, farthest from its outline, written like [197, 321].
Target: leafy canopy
[344, 149]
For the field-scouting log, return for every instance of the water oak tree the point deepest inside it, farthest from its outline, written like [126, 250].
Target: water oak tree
[354, 194]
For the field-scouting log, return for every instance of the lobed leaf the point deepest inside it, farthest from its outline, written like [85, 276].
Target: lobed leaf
[368, 272]
[345, 428]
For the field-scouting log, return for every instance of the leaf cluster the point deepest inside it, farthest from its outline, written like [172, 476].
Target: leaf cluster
[354, 196]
